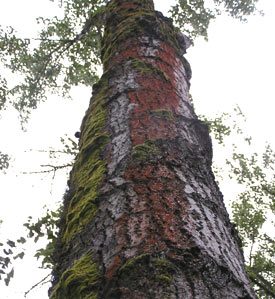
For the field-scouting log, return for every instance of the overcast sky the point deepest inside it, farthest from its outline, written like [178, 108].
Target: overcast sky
[236, 65]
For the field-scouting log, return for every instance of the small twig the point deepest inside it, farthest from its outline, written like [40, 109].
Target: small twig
[260, 285]
[53, 169]
[251, 249]
[53, 40]
[48, 151]
[42, 281]
[90, 24]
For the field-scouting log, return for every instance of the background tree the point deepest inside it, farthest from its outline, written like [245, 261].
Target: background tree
[253, 205]
[69, 48]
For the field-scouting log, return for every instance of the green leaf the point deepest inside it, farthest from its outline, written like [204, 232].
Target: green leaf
[11, 243]
[20, 255]
[21, 240]
[9, 276]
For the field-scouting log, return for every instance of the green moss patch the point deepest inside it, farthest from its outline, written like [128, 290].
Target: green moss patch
[145, 67]
[130, 266]
[158, 271]
[163, 114]
[146, 150]
[125, 24]
[161, 263]
[90, 167]
[127, 29]
[140, 4]
[164, 279]
[79, 281]
[164, 271]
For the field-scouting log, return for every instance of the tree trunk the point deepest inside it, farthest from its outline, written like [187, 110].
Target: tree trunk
[143, 217]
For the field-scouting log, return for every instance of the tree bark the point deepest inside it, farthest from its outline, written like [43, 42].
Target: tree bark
[143, 216]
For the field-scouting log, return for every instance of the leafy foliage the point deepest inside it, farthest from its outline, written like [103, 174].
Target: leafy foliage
[10, 252]
[193, 16]
[253, 210]
[238, 9]
[67, 50]
[44, 228]
[4, 161]
[66, 154]
[67, 55]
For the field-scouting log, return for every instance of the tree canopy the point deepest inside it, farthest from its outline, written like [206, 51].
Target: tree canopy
[67, 50]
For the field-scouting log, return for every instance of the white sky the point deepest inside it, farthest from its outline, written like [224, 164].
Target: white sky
[235, 66]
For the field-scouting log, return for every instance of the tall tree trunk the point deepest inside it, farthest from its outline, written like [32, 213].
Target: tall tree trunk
[143, 217]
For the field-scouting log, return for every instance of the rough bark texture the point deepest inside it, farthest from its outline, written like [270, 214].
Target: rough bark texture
[143, 217]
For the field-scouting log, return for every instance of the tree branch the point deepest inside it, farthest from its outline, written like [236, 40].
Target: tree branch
[90, 23]
[36, 285]
[267, 289]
